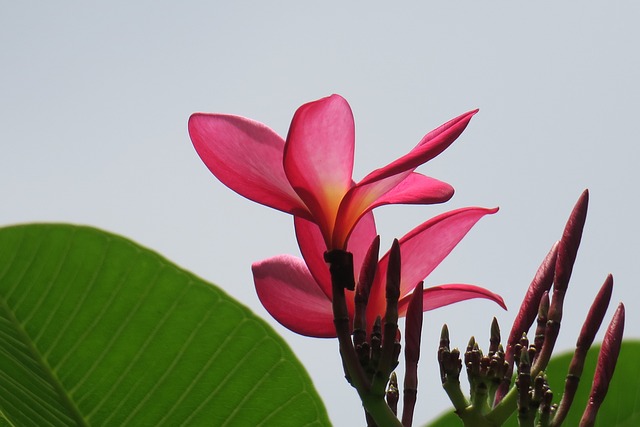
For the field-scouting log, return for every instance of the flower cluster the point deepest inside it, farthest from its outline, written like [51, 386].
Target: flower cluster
[342, 288]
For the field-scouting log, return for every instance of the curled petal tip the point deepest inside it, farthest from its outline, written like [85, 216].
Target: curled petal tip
[442, 295]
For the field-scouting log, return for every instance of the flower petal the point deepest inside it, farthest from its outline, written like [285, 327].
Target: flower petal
[312, 247]
[363, 234]
[291, 295]
[414, 189]
[318, 157]
[423, 249]
[247, 157]
[363, 196]
[432, 144]
[439, 296]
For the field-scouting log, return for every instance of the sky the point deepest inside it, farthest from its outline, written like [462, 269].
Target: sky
[95, 98]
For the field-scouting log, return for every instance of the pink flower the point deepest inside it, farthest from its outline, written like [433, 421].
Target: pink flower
[310, 174]
[297, 293]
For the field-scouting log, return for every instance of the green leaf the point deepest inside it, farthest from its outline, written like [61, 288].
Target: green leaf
[621, 407]
[96, 330]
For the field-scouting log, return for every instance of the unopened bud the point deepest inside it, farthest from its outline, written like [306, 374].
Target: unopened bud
[444, 336]
[526, 315]
[494, 340]
[605, 366]
[363, 288]
[393, 272]
[393, 395]
[541, 324]
[585, 339]
[568, 248]
[413, 326]
[540, 284]
[596, 315]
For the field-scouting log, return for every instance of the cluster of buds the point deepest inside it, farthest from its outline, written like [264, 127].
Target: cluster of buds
[370, 353]
[492, 399]
[485, 372]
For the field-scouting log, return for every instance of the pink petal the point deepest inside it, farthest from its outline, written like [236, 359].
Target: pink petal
[363, 234]
[291, 295]
[371, 189]
[312, 247]
[432, 144]
[247, 157]
[424, 248]
[414, 189]
[318, 158]
[439, 296]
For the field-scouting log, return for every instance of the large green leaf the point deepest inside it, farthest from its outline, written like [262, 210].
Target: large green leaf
[621, 408]
[96, 330]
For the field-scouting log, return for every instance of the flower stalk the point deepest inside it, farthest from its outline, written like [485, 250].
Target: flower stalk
[389, 357]
[373, 398]
[450, 368]
[413, 333]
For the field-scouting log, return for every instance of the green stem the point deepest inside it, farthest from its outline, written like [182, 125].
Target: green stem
[505, 408]
[452, 388]
[377, 407]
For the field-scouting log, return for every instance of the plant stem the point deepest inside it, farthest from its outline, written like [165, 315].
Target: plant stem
[374, 404]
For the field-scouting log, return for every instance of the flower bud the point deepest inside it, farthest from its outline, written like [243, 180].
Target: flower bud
[606, 365]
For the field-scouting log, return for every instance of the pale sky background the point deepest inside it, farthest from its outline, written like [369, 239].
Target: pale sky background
[94, 102]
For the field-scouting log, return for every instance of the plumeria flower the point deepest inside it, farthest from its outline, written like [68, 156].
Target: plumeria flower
[297, 292]
[309, 175]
